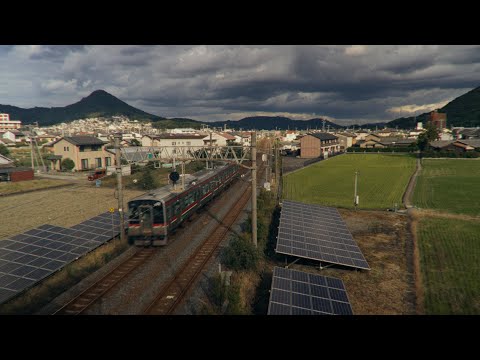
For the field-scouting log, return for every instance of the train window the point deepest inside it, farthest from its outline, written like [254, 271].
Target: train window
[176, 207]
[133, 212]
[158, 214]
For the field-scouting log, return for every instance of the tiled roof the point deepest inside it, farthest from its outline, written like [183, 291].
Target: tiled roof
[82, 140]
[324, 136]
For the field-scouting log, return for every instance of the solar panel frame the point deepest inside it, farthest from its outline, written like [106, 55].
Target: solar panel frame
[296, 292]
[301, 233]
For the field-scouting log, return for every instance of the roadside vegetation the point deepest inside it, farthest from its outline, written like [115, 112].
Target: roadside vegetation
[247, 264]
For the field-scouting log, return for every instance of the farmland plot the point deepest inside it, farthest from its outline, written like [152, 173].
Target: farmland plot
[382, 181]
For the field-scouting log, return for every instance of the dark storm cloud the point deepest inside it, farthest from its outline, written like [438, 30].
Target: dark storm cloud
[53, 52]
[346, 83]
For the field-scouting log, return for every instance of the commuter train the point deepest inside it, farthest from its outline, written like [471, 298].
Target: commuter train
[153, 216]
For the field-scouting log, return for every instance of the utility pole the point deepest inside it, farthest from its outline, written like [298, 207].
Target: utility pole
[254, 187]
[31, 152]
[117, 137]
[355, 198]
[277, 165]
[183, 175]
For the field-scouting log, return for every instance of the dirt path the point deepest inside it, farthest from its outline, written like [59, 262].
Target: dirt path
[407, 196]
[440, 214]
[413, 222]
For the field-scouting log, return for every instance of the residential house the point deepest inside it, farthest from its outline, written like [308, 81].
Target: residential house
[387, 142]
[361, 134]
[456, 145]
[413, 134]
[318, 144]
[243, 138]
[5, 162]
[150, 140]
[345, 140]
[183, 131]
[469, 133]
[14, 135]
[87, 152]
[445, 134]
[441, 144]
[387, 132]
[219, 139]
[290, 135]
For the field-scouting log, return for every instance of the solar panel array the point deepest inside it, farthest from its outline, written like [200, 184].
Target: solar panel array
[27, 258]
[319, 233]
[296, 292]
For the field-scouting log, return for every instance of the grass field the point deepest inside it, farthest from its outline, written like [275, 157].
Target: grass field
[449, 185]
[381, 182]
[449, 261]
[14, 187]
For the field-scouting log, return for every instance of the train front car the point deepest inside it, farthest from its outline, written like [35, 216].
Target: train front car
[147, 224]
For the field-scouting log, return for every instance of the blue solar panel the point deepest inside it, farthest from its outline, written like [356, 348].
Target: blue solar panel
[299, 293]
[319, 233]
[29, 257]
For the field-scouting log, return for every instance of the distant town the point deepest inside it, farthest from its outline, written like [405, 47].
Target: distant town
[89, 142]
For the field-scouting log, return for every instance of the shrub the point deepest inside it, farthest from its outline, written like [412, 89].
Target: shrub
[4, 150]
[67, 164]
[240, 254]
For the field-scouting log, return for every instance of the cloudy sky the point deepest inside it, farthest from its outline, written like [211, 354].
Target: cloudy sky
[346, 83]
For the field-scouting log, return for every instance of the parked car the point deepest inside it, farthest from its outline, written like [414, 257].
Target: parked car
[98, 174]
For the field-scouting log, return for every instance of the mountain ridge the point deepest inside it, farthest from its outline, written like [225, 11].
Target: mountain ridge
[464, 111]
[98, 104]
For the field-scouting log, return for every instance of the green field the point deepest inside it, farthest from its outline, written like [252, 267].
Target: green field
[449, 261]
[381, 182]
[450, 185]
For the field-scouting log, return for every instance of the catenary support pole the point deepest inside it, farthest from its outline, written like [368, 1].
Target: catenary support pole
[254, 187]
[117, 137]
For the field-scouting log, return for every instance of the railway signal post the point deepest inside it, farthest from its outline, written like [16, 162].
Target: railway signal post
[117, 137]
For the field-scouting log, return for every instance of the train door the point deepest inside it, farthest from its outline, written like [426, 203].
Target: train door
[146, 220]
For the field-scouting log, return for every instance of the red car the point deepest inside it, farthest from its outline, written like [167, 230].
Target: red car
[97, 174]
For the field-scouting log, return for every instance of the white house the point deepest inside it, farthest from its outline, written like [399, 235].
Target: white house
[219, 139]
[243, 138]
[183, 131]
[290, 135]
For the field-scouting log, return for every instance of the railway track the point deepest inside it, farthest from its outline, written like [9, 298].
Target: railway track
[172, 294]
[182, 281]
[94, 292]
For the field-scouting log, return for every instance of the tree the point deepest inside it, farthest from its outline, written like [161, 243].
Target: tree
[135, 142]
[147, 181]
[67, 164]
[431, 134]
[4, 150]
